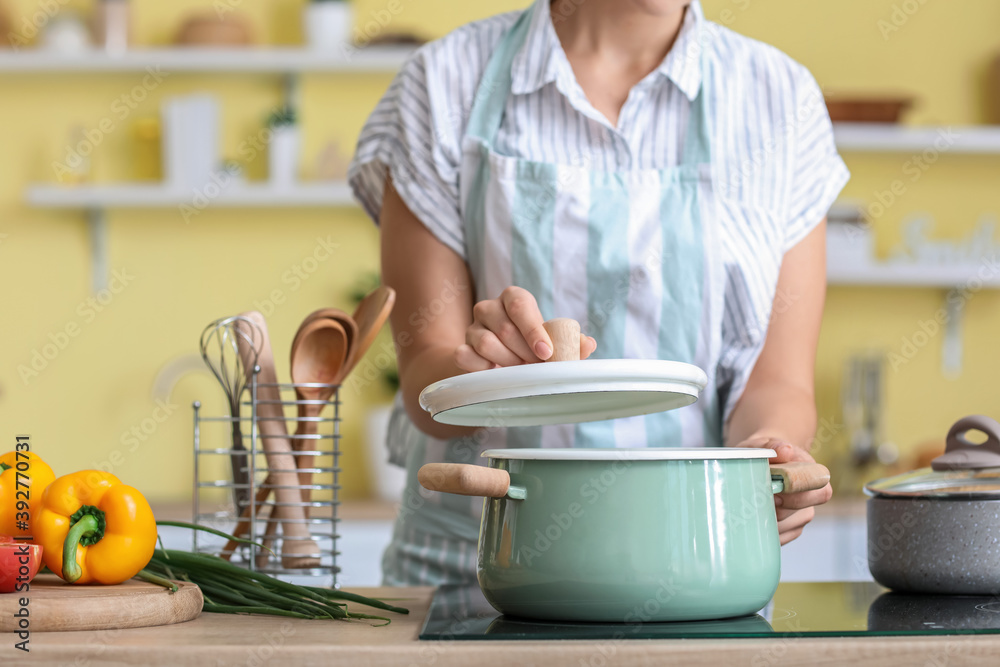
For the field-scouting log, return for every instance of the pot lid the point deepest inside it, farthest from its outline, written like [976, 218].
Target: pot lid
[965, 471]
[563, 392]
[630, 454]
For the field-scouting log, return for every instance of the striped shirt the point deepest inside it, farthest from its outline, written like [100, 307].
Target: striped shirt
[775, 167]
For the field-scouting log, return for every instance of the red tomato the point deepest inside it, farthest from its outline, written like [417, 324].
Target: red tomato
[19, 563]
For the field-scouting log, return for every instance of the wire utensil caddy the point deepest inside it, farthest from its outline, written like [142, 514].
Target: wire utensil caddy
[244, 505]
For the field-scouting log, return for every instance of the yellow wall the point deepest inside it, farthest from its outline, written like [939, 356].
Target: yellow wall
[95, 390]
[940, 55]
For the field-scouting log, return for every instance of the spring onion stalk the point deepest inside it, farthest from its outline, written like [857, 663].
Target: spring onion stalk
[354, 597]
[152, 578]
[230, 589]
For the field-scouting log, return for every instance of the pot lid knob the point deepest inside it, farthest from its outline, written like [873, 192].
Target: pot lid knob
[962, 454]
[565, 335]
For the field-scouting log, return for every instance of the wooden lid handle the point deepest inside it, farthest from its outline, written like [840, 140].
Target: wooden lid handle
[464, 479]
[565, 335]
[798, 476]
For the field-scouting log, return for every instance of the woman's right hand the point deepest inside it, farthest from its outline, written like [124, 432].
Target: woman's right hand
[508, 331]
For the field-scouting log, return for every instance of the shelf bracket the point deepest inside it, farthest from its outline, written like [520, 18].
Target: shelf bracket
[291, 91]
[951, 345]
[97, 223]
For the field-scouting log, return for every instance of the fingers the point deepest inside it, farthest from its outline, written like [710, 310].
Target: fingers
[492, 317]
[786, 452]
[785, 538]
[522, 309]
[467, 359]
[795, 522]
[793, 510]
[488, 346]
[804, 499]
[760, 442]
[509, 331]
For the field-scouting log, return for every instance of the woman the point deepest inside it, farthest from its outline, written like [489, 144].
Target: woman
[628, 164]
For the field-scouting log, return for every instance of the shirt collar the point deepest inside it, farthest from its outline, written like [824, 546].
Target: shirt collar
[541, 59]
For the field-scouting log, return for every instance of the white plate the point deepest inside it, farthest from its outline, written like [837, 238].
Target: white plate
[563, 392]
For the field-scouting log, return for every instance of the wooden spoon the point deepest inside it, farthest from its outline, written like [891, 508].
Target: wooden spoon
[350, 328]
[370, 315]
[299, 549]
[319, 351]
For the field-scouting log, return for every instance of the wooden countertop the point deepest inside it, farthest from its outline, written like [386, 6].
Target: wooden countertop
[216, 639]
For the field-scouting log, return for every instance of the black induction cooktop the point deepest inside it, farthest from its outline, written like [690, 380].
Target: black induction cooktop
[797, 610]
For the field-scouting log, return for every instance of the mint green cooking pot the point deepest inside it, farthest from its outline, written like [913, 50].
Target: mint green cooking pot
[627, 535]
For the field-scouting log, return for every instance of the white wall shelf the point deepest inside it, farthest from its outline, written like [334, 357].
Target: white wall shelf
[95, 200]
[959, 283]
[332, 193]
[387, 59]
[890, 138]
[915, 275]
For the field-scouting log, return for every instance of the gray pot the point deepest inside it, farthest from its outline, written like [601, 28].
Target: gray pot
[937, 529]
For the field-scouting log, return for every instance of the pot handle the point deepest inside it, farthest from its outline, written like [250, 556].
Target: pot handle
[963, 454]
[798, 476]
[468, 480]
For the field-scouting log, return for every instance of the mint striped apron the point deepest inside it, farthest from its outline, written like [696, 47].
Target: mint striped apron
[632, 255]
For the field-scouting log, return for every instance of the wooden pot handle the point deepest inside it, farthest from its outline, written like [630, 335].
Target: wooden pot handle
[565, 335]
[798, 476]
[464, 480]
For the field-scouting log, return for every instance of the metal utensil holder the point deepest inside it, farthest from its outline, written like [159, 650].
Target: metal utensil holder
[323, 454]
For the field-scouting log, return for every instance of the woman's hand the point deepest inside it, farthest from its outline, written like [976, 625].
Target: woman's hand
[794, 510]
[508, 331]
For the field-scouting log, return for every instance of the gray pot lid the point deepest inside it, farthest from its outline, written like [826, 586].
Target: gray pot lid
[965, 471]
[928, 483]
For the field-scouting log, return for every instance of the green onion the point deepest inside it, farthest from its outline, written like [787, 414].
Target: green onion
[354, 597]
[230, 589]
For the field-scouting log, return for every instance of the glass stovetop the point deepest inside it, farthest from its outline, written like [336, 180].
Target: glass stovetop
[797, 610]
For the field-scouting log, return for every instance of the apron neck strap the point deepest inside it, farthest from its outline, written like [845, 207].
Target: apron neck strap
[494, 89]
[697, 145]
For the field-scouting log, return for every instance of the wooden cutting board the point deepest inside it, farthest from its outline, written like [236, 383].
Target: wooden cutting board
[55, 605]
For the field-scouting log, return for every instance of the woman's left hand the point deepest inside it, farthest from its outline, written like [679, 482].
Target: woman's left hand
[794, 510]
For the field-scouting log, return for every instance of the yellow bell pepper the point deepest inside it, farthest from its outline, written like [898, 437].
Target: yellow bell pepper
[23, 479]
[94, 529]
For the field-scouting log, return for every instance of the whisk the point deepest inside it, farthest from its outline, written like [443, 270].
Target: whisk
[220, 342]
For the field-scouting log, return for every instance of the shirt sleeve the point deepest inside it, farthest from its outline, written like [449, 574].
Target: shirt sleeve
[411, 136]
[818, 172]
